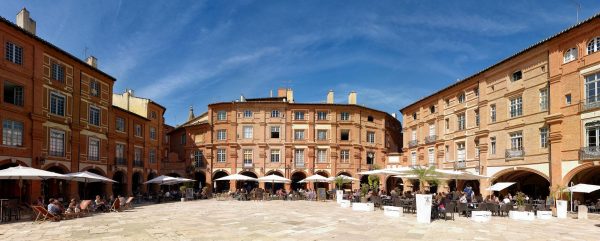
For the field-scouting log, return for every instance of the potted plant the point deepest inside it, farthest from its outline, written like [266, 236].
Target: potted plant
[373, 182]
[559, 193]
[364, 189]
[520, 200]
[182, 192]
[339, 192]
[425, 176]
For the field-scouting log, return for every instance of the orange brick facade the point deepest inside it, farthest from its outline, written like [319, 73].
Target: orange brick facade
[523, 119]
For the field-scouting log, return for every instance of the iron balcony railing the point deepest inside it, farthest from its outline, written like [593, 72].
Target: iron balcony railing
[56, 153]
[138, 163]
[460, 164]
[589, 153]
[413, 143]
[590, 103]
[514, 153]
[299, 164]
[199, 163]
[430, 139]
[121, 161]
[248, 165]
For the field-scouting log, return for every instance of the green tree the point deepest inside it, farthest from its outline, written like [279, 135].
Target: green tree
[425, 175]
[373, 181]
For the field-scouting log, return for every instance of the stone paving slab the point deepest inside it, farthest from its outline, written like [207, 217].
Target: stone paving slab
[279, 220]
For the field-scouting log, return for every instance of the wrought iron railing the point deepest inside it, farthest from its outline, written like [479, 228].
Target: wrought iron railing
[589, 153]
[121, 161]
[460, 164]
[413, 143]
[430, 139]
[56, 153]
[514, 153]
[590, 103]
[138, 163]
[248, 165]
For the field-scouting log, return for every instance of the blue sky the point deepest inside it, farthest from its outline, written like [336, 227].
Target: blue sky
[182, 53]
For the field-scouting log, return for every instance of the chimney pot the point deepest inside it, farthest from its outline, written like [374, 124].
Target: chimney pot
[330, 97]
[25, 22]
[92, 61]
[352, 98]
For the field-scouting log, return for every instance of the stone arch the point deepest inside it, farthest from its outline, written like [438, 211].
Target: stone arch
[296, 177]
[575, 171]
[347, 185]
[584, 174]
[220, 186]
[10, 188]
[137, 182]
[200, 177]
[248, 185]
[322, 184]
[274, 172]
[56, 188]
[531, 182]
[90, 190]
[120, 187]
[16, 163]
[272, 187]
[392, 183]
[509, 170]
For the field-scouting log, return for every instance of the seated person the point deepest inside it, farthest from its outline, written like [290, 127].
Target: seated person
[100, 204]
[54, 208]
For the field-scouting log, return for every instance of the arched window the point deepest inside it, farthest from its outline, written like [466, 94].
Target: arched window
[570, 55]
[594, 45]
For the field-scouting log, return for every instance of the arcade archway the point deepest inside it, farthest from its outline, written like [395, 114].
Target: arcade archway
[348, 185]
[119, 188]
[590, 175]
[396, 183]
[137, 182]
[152, 188]
[296, 177]
[248, 185]
[273, 187]
[9, 189]
[220, 186]
[318, 185]
[531, 183]
[91, 189]
[56, 188]
[200, 178]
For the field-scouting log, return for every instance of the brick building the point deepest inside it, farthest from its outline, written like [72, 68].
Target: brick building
[529, 118]
[276, 135]
[57, 114]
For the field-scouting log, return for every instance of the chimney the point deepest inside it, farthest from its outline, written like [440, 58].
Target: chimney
[290, 95]
[242, 98]
[352, 98]
[92, 61]
[129, 92]
[394, 115]
[25, 22]
[191, 114]
[330, 97]
[281, 92]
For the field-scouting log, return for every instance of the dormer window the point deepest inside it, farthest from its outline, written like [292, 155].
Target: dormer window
[570, 55]
[593, 46]
[517, 75]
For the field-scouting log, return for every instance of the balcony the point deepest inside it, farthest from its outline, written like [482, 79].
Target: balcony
[172, 165]
[56, 153]
[460, 164]
[591, 103]
[413, 143]
[138, 163]
[121, 161]
[299, 164]
[514, 153]
[199, 164]
[248, 165]
[589, 153]
[430, 139]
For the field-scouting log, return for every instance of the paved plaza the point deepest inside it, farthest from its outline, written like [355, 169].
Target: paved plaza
[279, 220]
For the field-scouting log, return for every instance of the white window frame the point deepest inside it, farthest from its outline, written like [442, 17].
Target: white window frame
[120, 124]
[221, 134]
[299, 134]
[275, 129]
[461, 121]
[248, 132]
[321, 136]
[93, 149]
[345, 156]
[516, 140]
[58, 104]
[221, 155]
[58, 144]
[299, 157]
[345, 116]
[370, 136]
[493, 145]
[516, 107]
[544, 137]
[493, 115]
[12, 132]
[14, 53]
[544, 99]
[248, 155]
[570, 55]
[94, 116]
[275, 155]
[275, 114]
[221, 115]
[247, 114]
[431, 156]
[322, 115]
[593, 45]
[299, 115]
[322, 156]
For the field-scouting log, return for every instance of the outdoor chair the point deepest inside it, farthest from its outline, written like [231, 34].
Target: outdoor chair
[11, 210]
[116, 206]
[376, 201]
[505, 209]
[528, 208]
[481, 207]
[450, 207]
[42, 215]
[494, 208]
[129, 203]
[84, 207]
[463, 208]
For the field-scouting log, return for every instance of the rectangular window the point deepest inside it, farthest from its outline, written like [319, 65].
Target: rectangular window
[152, 133]
[94, 88]
[275, 132]
[517, 75]
[152, 156]
[493, 113]
[275, 114]
[322, 155]
[345, 156]
[93, 149]
[321, 115]
[248, 132]
[592, 134]
[275, 155]
[413, 135]
[431, 129]
[492, 145]
[57, 104]
[544, 137]
[460, 152]
[345, 135]
[221, 155]
[247, 114]
[321, 135]
[516, 141]
[299, 157]
[345, 116]
[58, 72]
[516, 107]
[57, 143]
[14, 53]
[120, 125]
[198, 158]
[447, 124]
[138, 130]
[413, 158]
[461, 98]
[247, 156]
[299, 115]
[370, 137]
[137, 155]
[183, 139]
[13, 94]
[94, 116]
[370, 158]
[431, 156]
[568, 99]
[120, 153]
[477, 117]
[221, 115]
[461, 121]
[298, 134]
[221, 135]
[12, 133]
[544, 99]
